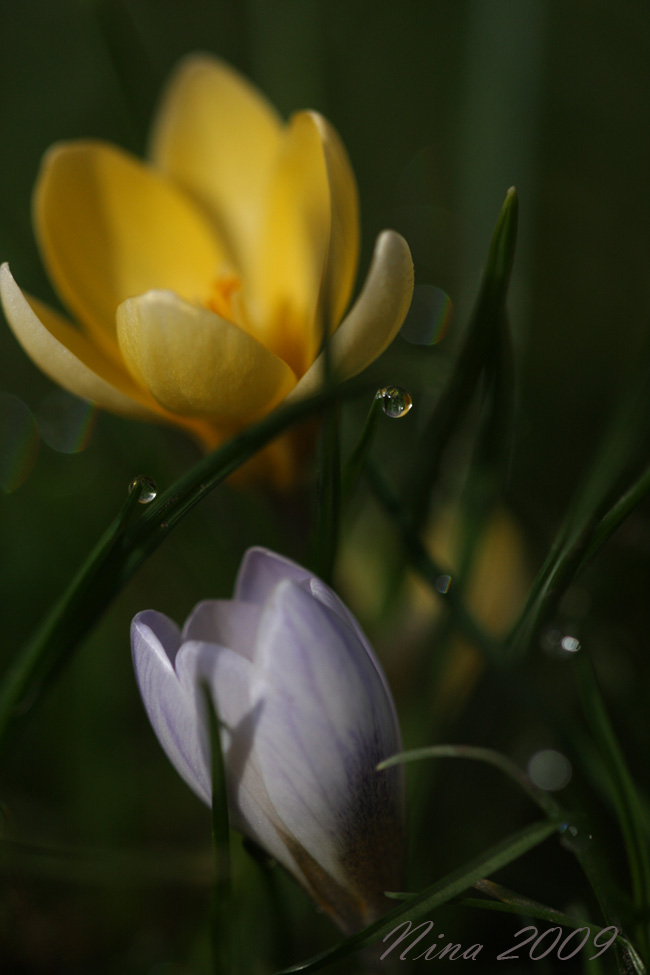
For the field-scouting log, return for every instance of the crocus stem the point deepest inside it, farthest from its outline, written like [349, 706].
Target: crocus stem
[281, 929]
[329, 474]
[123, 548]
[356, 463]
[328, 498]
[40, 654]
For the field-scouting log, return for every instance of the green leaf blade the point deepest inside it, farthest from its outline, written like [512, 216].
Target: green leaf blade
[454, 883]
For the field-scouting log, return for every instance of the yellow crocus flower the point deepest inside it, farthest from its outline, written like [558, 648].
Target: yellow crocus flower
[203, 279]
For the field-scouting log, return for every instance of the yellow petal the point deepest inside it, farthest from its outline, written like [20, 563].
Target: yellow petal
[110, 227]
[343, 253]
[295, 242]
[68, 357]
[375, 318]
[217, 136]
[196, 363]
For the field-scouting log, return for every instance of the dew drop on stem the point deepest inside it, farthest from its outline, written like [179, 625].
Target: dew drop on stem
[395, 401]
[148, 489]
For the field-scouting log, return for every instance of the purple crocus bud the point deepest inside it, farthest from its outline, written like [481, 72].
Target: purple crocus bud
[305, 715]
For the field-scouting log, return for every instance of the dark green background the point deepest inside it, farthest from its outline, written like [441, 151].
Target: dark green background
[442, 106]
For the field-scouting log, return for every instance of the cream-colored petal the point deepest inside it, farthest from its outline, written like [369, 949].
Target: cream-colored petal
[68, 357]
[343, 254]
[295, 242]
[110, 227]
[375, 318]
[218, 137]
[196, 363]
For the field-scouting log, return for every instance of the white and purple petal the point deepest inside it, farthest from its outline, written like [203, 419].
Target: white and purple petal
[325, 724]
[305, 715]
[328, 597]
[228, 622]
[260, 572]
[155, 642]
[229, 677]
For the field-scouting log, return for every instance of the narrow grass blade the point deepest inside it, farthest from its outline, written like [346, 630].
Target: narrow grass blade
[357, 461]
[510, 902]
[480, 340]
[428, 900]
[426, 567]
[595, 511]
[40, 655]
[275, 904]
[124, 547]
[542, 799]
[223, 915]
[591, 865]
[617, 515]
[627, 804]
[328, 498]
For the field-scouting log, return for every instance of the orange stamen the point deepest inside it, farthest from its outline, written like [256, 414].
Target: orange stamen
[220, 300]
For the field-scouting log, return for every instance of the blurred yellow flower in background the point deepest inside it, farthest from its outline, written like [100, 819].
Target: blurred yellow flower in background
[203, 280]
[495, 586]
[492, 561]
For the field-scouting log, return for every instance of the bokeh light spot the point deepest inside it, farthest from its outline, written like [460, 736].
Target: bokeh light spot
[66, 422]
[428, 317]
[18, 442]
[549, 770]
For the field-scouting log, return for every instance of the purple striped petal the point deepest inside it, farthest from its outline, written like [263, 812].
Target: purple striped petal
[328, 597]
[229, 677]
[228, 622]
[325, 724]
[305, 716]
[155, 642]
[260, 572]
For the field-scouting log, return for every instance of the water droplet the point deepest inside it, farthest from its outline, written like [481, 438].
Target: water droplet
[550, 770]
[569, 829]
[428, 317]
[558, 643]
[395, 401]
[442, 584]
[576, 839]
[66, 422]
[148, 491]
[570, 643]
